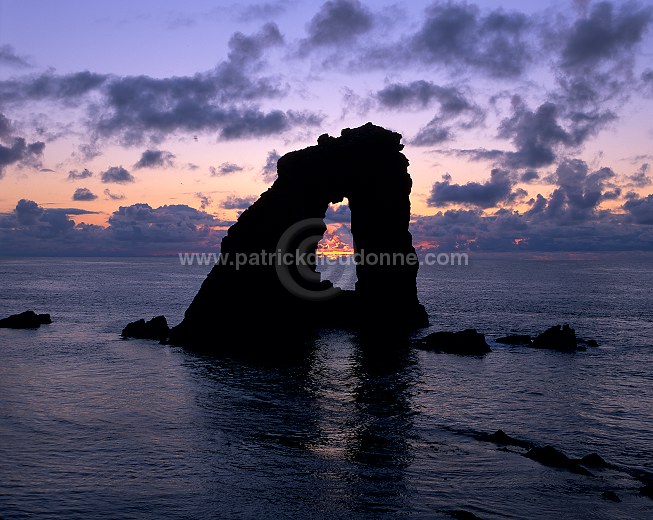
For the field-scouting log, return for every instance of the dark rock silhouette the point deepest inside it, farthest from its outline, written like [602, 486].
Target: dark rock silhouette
[611, 496]
[465, 343]
[552, 457]
[503, 439]
[515, 339]
[156, 328]
[461, 514]
[589, 342]
[25, 320]
[558, 338]
[262, 286]
[593, 460]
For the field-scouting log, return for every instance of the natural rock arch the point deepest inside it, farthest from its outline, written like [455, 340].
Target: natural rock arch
[249, 299]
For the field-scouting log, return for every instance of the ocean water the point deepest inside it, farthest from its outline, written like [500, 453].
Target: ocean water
[93, 426]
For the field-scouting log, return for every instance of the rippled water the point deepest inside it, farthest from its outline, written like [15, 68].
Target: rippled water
[92, 426]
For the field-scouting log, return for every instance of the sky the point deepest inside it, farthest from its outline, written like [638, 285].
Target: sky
[145, 128]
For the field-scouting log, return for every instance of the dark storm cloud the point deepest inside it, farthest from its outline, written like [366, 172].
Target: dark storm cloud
[9, 58]
[18, 151]
[641, 179]
[435, 132]
[74, 175]
[641, 210]
[609, 32]
[155, 159]
[529, 176]
[486, 195]
[112, 196]
[269, 171]
[233, 202]
[84, 194]
[117, 174]
[225, 168]
[338, 22]
[458, 34]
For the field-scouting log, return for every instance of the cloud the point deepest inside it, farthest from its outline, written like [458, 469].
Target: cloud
[112, 196]
[269, 171]
[118, 175]
[74, 175]
[338, 22]
[641, 210]
[69, 89]
[5, 127]
[19, 152]
[417, 95]
[261, 11]
[458, 35]
[233, 202]
[133, 109]
[84, 194]
[489, 194]
[155, 159]
[340, 214]
[9, 58]
[607, 33]
[205, 200]
[640, 178]
[225, 168]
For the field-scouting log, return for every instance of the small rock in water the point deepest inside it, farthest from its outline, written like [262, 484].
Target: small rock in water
[465, 343]
[501, 437]
[156, 328]
[25, 320]
[558, 338]
[515, 339]
[550, 456]
[611, 496]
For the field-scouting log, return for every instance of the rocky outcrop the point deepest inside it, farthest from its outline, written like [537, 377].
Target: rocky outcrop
[464, 343]
[558, 338]
[25, 320]
[552, 457]
[156, 328]
[501, 438]
[265, 283]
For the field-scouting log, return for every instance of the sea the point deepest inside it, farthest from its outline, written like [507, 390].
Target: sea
[95, 426]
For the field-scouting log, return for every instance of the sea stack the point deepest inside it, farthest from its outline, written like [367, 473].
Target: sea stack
[264, 289]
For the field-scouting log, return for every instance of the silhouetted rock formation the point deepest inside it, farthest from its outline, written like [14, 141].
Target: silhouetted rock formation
[258, 289]
[156, 328]
[550, 456]
[465, 343]
[25, 320]
[515, 339]
[558, 338]
[593, 460]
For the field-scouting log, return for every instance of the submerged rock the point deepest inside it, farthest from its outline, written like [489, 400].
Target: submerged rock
[593, 460]
[25, 320]
[611, 496]
[515, 339]
[156, 328]
[558, 338]
[502, 438]
[468, 342]
[552, 457]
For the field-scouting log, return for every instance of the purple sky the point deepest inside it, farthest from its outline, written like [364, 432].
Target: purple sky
[146, 127]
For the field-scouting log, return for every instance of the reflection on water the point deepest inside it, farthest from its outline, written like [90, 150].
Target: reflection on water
[95, 427]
